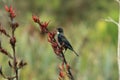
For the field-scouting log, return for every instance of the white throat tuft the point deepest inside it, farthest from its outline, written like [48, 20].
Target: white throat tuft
[58, 32]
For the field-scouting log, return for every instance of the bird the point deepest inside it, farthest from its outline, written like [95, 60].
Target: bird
[62, 40]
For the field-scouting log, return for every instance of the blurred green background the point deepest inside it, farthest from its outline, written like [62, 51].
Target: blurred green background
[85, 27]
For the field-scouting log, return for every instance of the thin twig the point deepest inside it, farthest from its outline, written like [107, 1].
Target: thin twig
[109, 19]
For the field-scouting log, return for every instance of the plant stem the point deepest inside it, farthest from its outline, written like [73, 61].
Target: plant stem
[14, 61]
[119, 41]
[14, 56]
[69, 72]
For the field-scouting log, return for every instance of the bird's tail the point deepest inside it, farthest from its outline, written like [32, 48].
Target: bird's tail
[75, 52]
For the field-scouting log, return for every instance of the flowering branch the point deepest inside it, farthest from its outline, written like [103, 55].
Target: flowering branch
[15, 64]
[64, 71]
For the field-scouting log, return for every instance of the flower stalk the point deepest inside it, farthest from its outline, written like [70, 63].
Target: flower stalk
[15, 65]
[64, 71]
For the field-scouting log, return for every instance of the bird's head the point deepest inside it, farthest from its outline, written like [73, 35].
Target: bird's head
[59, 30]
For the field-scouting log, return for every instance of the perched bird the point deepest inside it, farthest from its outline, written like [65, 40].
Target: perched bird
[62, 40]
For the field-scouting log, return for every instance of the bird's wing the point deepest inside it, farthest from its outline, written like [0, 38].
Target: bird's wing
[63, 41]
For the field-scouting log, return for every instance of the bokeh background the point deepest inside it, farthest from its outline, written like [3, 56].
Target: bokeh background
[84, 25]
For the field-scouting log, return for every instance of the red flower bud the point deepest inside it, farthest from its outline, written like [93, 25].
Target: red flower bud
[3, 51]
[51, 36]
[10, 64]
[35, 18]
[22, 64]
[14, 25]
[11, 11]
[12, 14]
[61, 74]
[68, 66]
[13, 41]
[44, 25]
[6, 8]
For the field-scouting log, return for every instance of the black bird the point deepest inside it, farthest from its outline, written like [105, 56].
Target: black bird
[62, 41]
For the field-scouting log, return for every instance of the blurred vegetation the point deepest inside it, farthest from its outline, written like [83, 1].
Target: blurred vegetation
[85, 27]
